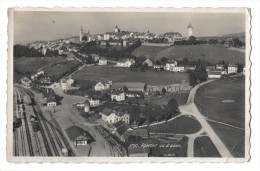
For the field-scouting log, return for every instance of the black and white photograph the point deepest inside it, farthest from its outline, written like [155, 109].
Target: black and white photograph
[129, 84]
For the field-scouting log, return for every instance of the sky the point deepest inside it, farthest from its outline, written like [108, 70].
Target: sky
[43, 25]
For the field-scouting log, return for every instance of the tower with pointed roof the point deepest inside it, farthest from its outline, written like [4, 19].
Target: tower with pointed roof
[81, 34]
[116, 30]
[190, 30]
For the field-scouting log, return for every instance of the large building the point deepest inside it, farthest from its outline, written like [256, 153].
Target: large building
[190, 30]
[84, 36]
[112, 116]
[232, 68]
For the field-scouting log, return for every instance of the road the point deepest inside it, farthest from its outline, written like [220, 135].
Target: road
[191, 109]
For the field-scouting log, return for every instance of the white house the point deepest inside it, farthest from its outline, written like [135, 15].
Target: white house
[66, 83]
[125, 62]
[117, 95]
[94, 102]
[170, 65]
[232, 68]
[112, 116]
[100, 86]
[102, 61]
[215, 74]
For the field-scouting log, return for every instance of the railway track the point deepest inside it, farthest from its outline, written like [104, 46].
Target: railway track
[35, 110]
[58, 141]
[58, 128]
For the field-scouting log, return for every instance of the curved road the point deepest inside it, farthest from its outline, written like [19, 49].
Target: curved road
[191, 109]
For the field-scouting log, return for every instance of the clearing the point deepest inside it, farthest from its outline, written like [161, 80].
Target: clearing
[203, 147]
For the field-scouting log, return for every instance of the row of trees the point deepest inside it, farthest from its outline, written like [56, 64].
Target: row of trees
[24, 51]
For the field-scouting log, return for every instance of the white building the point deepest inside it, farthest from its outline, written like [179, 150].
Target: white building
[232, 68]
[125, 62]
[66, 83]
[117, 95]
[103, 85]
[112, 116]
[215, 74]
[102, 61]
[94, 102]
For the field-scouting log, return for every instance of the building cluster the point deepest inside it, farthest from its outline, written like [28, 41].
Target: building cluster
[219, 70]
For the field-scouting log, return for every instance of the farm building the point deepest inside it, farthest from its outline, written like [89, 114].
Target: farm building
[169, 88]
[131, 86]
[112, 116]
[138, 152]
[78, 135]
[148, 62]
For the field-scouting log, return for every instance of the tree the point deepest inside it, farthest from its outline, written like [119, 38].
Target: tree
[164, 90]
[164, 60]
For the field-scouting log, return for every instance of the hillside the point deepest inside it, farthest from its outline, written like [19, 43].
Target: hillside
[213, 54]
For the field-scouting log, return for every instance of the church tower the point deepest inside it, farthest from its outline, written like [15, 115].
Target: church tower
[81, 34]
[190, 30]
[116, 30]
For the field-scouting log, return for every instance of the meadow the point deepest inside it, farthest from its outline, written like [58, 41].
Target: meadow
[210, 53]
[150, 76]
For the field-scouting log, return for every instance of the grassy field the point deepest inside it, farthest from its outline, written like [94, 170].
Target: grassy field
[151, 77]
[234, 139]
[148, 51]
[210, 53]
[181, 125]
[60, 69]
[211, 97]
[32, 64]
[181, 99]
[203, 147]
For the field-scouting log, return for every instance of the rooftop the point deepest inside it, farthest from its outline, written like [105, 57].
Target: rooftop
[75, 132]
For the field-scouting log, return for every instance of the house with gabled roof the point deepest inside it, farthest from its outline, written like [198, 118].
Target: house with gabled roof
[125, 62]
[113, 116]
[103, 85]
[78, 135]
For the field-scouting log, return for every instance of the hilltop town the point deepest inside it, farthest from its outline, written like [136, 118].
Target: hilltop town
[124, 93]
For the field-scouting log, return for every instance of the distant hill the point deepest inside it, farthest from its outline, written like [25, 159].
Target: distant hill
[233, 35]
[240, 34]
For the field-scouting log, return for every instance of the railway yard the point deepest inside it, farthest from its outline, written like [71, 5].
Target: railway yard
[33, 134]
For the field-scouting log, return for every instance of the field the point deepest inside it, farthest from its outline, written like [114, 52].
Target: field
[180, 125]
[32, 64]
[151, 77]
[209, 53]
[234, 139]
[60, 69]
[203, 147]
[163, 100]
[209, 99]
[148, 51]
